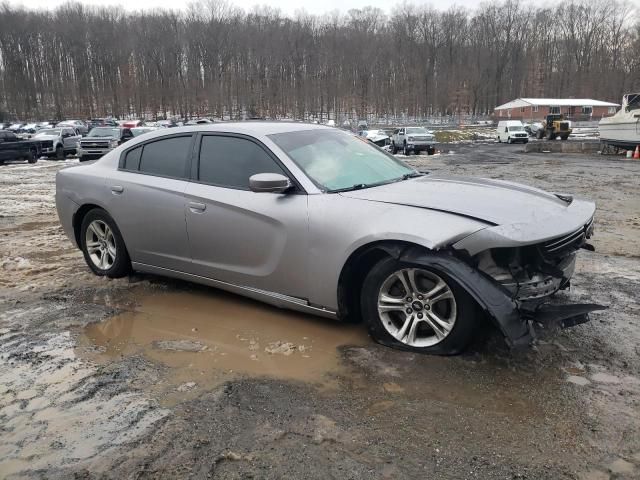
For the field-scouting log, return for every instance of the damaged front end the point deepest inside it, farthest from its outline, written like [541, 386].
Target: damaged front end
[513, 284]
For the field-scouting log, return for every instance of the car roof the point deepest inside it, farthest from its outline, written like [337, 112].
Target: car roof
[254, 128]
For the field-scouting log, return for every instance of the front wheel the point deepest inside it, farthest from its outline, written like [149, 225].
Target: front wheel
[394, 149]
[416, 307]
[59, 152]
[509, 140]
[405, 150]
[102, 245]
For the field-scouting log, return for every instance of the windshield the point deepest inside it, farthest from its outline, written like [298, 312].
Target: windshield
[48, 131]
[516, 129]
[417, 130]
[104, 132]
[336, 160]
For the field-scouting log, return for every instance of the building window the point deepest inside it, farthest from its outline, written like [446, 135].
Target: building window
[587, 110]
[521, 109]
[612, 110]
[554, 110]
[509, 113]
[535, 109]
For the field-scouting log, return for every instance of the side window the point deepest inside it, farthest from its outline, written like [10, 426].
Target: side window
[132, 159]
[395, 132]
[230, 161]
[167, 158]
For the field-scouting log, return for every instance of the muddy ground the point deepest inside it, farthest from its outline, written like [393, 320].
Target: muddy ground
[145, 377]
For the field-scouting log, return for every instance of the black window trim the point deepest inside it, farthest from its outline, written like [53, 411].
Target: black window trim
[188, 163]
[195, 166]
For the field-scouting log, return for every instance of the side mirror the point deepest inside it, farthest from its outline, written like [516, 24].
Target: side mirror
[269, 182]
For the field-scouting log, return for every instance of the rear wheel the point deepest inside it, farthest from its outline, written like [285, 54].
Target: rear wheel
[33, 156]
[551, 135]
[564, 137]
[418, 308]
[102, 245]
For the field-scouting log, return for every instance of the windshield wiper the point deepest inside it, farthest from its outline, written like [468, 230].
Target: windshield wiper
[357, 186]
[407, 176]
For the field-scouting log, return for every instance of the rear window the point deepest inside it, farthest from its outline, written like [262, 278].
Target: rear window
[166, 158]
[132, 159]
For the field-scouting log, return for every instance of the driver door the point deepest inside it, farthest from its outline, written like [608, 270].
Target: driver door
[239, 236]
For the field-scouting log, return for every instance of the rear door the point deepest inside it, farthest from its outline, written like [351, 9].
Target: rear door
[148, 204]
[239, 236]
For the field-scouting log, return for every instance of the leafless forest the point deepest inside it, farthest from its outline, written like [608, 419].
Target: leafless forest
[213, 59]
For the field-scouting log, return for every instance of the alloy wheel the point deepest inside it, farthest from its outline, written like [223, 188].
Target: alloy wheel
[101, 244]
[417, 307]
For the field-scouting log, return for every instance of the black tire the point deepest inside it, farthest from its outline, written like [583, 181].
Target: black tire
[539, 134]
[59, 152]
[33, 156]
[394, 149]
[122, 264]
[550, 135]
[454, 342]
[564, 137]
[509, 140]
[405, 150]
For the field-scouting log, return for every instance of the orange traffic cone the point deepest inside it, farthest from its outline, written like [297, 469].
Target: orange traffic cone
[636, 154]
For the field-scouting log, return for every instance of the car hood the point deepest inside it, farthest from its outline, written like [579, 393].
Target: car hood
[492, 201]
[93, 139]
[46, 137]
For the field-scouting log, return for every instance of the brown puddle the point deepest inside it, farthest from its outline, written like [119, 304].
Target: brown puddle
[207, 336]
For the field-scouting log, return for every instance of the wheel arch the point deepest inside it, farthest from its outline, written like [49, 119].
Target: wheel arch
[79, 215]
[356, 268]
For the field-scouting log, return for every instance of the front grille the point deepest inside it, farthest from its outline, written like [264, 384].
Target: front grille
[47, 143]
[94, 144]
[562, 246]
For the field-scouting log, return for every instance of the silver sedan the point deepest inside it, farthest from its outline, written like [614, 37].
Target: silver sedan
[318, 220]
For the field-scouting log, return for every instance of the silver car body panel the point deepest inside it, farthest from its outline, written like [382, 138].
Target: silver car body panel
[290, 249]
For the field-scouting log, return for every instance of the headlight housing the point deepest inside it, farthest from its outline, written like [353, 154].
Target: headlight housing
[113, 143]
[410, 139]
[77, 144]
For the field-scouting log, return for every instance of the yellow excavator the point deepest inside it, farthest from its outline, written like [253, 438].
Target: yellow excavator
[554, 126]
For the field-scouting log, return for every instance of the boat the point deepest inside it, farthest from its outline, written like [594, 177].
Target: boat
[623, 128]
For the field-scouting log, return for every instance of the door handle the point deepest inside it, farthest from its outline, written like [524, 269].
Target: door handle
[117, 189]
[197, 207]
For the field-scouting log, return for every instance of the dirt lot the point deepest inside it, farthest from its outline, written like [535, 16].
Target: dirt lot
[150, 378]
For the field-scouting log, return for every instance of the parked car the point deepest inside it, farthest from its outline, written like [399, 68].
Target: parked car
[140, 130]
[101, 140]
[101, 122]
[314, 219]
[511, 131]
[81, 127]
[130, 123]
[412, 139]
[14, 148]
[166, 123]
[377, 137]
[15, 127]
[58, 142]
[199, 121]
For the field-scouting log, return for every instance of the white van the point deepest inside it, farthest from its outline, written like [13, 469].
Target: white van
[512, 131]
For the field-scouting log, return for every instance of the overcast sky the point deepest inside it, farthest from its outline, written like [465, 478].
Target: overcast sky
[287, 6]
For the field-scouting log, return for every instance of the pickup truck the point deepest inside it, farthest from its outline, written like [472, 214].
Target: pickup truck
[13, 148]
[412, 139]
[58, 141]
[101, 140]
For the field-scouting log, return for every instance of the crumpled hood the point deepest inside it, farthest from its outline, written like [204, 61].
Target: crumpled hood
[493, 201]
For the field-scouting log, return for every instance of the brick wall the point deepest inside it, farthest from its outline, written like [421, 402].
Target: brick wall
[537, 114]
